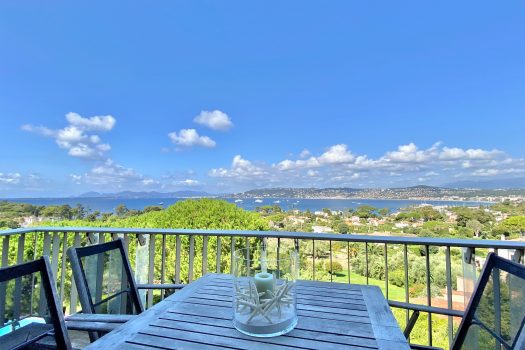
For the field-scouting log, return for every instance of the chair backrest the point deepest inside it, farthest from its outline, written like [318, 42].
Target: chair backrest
[30, 311]
[104, 279]
[495, 316]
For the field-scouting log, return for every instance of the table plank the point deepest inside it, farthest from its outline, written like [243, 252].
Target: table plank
[199, 316]
[381, 317]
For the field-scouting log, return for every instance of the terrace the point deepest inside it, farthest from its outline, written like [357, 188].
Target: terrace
[161, 256]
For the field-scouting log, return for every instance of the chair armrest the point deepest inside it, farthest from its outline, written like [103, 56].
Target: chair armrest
[415, 315]
[424, 308]
[92, 326]
[423, 347]
[79, 317]
[160, 286]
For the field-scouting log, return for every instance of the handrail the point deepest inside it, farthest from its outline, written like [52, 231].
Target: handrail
[430, 241]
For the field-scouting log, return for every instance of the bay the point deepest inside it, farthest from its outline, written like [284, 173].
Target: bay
[109, 204]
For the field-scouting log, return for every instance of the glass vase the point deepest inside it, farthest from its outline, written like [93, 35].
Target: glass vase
[264, 298]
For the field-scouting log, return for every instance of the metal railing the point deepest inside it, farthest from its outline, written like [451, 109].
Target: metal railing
[152, 247]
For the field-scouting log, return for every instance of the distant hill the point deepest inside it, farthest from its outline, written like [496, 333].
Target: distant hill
[514, 183]
[414, 192]
[151, 194]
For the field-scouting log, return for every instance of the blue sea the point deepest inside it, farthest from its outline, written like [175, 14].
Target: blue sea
[109, 204]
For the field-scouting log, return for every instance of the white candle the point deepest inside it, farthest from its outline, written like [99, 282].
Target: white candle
[264, 282]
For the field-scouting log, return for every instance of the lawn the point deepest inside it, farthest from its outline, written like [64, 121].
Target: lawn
[394, 292]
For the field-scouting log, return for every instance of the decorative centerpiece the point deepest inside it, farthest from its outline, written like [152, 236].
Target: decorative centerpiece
[264, 300]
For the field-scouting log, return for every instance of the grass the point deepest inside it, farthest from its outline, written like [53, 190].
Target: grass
[394, 292]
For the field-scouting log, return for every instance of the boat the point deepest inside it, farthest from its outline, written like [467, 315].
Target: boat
[258, 201]
[238, 200]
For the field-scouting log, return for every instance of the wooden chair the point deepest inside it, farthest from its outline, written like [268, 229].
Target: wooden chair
[495, 315]
[106, 288]
[30, 311]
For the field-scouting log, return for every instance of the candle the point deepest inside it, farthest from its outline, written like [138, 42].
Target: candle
[264, 282]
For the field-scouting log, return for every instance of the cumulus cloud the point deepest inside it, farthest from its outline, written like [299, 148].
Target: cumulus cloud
[188, 182]
[76, 137]
[215, 120]
[96, 123]
[190, 138]
[240, 168]
[408, 163]
[336, 154]
[109, 173]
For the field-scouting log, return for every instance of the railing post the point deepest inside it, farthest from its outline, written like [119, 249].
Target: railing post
[151, 268]
[405, 267]
[204, 255]
[429, 296]
[46, 251]
[448, 271]
[331, 267]
[192, 254]
[54, 259]
[518, 254]
[278, 254]
[163, 265]
[386, 270]
[63, 267]
[18, 281]
[35, 238]
[3, 285]
[366, 262]
[218, 255]
[232, 250]
[348, 260]
[100, 271]
[73, 294]
[177, 259]
[313, 259]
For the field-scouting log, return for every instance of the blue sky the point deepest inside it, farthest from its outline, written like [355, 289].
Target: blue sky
[228, 96]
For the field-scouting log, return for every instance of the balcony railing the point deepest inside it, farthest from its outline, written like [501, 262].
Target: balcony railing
[182, 255]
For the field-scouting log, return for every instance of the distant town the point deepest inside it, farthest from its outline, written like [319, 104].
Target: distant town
[410, 193]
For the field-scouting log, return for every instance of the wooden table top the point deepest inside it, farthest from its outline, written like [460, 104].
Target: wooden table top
[331, 315]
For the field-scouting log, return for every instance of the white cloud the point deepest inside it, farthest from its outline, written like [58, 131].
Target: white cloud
[305, 153]
[74, 137]
[338, 166]
[312, 173]
[188, 182]
[240, 168]
[10, 178]
[215, 120]
[149, 182]
[470, 154]
[189, 138]
[96, 123]
[336, 154]
[409, 154]
[109, 173]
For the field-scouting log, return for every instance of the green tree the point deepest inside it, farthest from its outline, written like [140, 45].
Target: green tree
[384, 211]
[365, 211]
[513, 226]
[343, 228]
[335, 267]
[121, 210]
[475, 226]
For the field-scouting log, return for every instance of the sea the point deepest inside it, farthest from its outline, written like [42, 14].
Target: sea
[109, 204]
